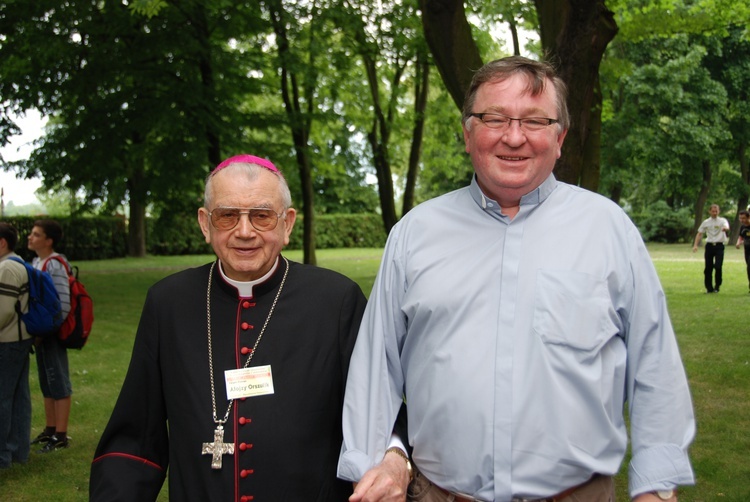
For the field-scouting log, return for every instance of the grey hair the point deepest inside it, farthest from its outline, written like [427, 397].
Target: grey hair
[538, 74]
[250, 171]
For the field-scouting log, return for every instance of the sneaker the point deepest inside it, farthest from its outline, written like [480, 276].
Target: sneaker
[55, 444]
[43, 437]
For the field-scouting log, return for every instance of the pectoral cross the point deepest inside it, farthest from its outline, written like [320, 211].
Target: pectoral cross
[218, 448]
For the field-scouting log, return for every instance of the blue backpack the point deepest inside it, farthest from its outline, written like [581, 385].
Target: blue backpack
[44, 315]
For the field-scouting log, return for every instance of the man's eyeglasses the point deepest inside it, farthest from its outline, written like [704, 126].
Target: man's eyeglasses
[261, 218]
[528, 124]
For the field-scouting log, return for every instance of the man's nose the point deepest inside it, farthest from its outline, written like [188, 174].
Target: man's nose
[514, 135]
[245, 226]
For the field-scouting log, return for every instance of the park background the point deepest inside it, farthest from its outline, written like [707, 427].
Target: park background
[358, 103]
[712, 332]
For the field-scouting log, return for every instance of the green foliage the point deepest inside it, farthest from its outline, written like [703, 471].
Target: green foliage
[175, 234]
[90, 238]
[342, 231]
[665, 117]
[660, 223]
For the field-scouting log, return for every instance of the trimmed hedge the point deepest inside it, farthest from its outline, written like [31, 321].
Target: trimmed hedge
[95, 238]
[99, 238]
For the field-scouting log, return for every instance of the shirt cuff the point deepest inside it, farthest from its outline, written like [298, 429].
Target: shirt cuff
[659, 468]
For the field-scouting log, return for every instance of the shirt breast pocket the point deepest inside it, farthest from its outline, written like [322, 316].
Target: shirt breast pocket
[573, 309]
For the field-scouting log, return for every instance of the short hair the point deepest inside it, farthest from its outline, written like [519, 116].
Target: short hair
[52, 230]
[538, 73]
[745, 213]
[10, 234]
[251, 171]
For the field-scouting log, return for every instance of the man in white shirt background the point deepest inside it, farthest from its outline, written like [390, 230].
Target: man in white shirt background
[716, 228]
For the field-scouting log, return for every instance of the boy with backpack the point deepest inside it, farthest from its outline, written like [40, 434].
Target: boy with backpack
[51, 355]
[15, 344]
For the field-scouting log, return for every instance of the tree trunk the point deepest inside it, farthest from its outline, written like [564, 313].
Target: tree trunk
[379, 136]
[300, 125]
[591, 172]
[576, 33]
[137, 205]
[205, 64]
[449, 37]
[421, 88]
[700, 203]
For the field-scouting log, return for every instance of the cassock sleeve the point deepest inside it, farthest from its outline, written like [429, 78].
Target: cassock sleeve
[130, 463]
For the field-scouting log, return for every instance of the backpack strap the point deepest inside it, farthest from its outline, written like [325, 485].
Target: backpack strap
[18, 299]
[59, 258]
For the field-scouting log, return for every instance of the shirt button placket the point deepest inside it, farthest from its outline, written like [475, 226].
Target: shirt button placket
[243, 446]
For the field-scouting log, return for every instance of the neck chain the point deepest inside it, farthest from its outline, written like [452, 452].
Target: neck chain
[218, 447]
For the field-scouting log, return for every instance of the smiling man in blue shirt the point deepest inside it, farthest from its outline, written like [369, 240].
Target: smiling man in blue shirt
[516, 361]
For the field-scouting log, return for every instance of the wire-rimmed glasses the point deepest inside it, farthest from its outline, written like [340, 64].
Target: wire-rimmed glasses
[261, 218]
[502, 122]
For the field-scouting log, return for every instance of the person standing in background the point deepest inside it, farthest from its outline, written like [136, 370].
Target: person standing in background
[744, 238]
[51, 356]
[715, 227]
[15, 345]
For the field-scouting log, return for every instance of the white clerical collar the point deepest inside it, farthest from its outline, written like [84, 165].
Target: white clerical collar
[245, 288]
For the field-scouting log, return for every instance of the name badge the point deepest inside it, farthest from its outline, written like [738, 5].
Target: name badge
[249, 382]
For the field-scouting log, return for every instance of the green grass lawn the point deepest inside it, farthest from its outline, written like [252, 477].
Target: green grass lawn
[713, 332]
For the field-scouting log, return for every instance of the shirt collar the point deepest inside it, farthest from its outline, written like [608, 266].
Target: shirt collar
[535, 197]
[245, 288]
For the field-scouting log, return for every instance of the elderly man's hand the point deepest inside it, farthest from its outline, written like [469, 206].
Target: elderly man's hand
[386, 482]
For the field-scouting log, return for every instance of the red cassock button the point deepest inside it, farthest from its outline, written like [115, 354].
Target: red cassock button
[246, 326]
[244, 420]
[246, 304]
[245, 350]
[246, 472]
[246, 498]
[245, 446]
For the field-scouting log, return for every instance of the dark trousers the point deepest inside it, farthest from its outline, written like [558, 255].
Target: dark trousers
[714, 256]
[747, 262]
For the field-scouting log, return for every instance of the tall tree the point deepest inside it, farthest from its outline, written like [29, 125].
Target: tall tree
[298, 86]
[574, 32]
[387, 39]
[140, 106]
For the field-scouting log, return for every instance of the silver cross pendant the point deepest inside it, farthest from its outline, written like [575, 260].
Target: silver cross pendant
[218, 448]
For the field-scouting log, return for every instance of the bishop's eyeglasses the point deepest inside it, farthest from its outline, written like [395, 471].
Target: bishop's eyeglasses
[261, 218]
[502, 122]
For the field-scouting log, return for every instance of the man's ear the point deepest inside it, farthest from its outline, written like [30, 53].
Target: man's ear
[291, 218]
[204, 224]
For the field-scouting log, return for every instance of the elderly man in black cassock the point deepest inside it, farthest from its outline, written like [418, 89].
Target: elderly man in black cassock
[236, 382]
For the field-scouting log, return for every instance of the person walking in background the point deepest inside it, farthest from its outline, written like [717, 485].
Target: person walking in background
[715, 227]
[744, 238]
[236, 382]
[15, 345]
[51, 356]
[516, 363]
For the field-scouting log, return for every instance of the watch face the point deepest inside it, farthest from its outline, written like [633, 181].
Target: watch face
[665, 494]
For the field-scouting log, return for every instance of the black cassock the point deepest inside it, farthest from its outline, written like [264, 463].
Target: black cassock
[286, 443]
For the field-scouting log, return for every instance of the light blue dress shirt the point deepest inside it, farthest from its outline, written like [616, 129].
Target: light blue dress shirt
[516, 344]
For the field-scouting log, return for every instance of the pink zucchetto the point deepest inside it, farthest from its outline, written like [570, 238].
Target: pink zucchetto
[246, 159]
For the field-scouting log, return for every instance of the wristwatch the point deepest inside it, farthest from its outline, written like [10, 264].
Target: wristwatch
[398, 451]
[664, 494]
